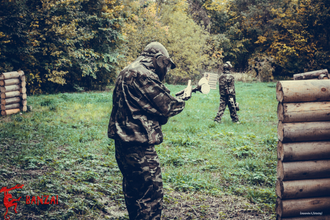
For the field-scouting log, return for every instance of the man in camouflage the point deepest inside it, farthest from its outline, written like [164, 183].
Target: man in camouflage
[141, 104]
[227, 94]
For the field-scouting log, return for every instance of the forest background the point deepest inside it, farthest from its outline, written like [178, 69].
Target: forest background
[76, 45]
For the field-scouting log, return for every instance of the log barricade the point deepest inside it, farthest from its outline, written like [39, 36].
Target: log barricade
[12, 92]
[303, 149]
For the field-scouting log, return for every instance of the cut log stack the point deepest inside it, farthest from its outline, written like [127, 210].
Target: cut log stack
[303, 151]
[13, 92]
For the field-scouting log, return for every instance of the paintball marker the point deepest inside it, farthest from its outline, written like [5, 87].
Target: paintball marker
[186, 93]
[234, 104]
[203, 87]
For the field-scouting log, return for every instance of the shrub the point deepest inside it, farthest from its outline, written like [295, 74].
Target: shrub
[261, 67]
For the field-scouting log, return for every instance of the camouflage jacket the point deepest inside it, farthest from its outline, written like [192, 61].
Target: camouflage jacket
[227, 84]
[141, 104]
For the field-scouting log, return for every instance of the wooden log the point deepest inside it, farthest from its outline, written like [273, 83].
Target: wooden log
[300, 170]
[9, 82]
[10, 106]
[24, 108]
[323, 76]
[10, 94]
[303, 131]
[22, 90]
[307, 216]
[9, 112]
[303, 91]
[24, 102]
[10, 75]
[23, 96]
[303, 112]
[317, 150]
[10, 88]
[22, 78]
[303, 188]
[298, 207]
[310, 75]
[20, 72]
[10, 100]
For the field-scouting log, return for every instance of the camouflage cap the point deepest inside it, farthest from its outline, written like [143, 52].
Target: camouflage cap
[155, 49]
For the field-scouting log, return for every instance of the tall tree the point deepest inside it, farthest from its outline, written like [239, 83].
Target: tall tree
[61, 42]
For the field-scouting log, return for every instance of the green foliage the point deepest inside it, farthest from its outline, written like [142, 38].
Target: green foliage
[301, 42]
[186, 42]
[262, 67]
[169, 24]
[60, 42]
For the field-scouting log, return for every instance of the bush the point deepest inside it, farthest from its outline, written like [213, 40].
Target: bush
[261, 67]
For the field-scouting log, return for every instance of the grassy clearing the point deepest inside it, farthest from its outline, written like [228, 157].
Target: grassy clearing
[61, 148]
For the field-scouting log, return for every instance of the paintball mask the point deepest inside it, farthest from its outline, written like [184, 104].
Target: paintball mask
[227, 66]
[161, 60]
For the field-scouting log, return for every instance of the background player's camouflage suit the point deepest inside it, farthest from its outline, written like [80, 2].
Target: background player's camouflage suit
[141, 104]
[227, 91]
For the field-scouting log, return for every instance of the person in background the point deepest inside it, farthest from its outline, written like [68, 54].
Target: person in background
[141, 105]
[227, 94]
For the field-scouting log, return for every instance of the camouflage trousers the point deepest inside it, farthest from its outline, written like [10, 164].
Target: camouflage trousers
[224, 101]
[142, 180]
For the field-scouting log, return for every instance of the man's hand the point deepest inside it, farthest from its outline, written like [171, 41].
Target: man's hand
[186, 93]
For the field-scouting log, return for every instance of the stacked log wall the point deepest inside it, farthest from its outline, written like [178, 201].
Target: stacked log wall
[12, 93]
[303, 150]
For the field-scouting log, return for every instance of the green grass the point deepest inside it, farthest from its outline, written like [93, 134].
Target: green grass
[61, 148]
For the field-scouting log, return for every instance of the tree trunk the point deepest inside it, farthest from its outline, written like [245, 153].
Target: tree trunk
[303, 188]
[303, 131]
[9, 112]
[310, 75]
[303, 151]
[304, 217]
[9, 82]
[303, 91]
[10, 106]
[303, 112]
[300, 207]
[10, 88]
[300, 170]
[10, 100]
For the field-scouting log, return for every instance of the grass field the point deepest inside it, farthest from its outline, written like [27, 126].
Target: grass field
[210, 170]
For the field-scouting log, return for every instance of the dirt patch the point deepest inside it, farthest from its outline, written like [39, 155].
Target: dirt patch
[179, 205]
[199, 206]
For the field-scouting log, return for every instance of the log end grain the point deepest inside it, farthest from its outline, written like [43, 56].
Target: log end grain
[280, 151]
[279, 91]
[279, 207]
[24, 108]
[280, 111]
[280, 170]
[279, 188]
[280, 131]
